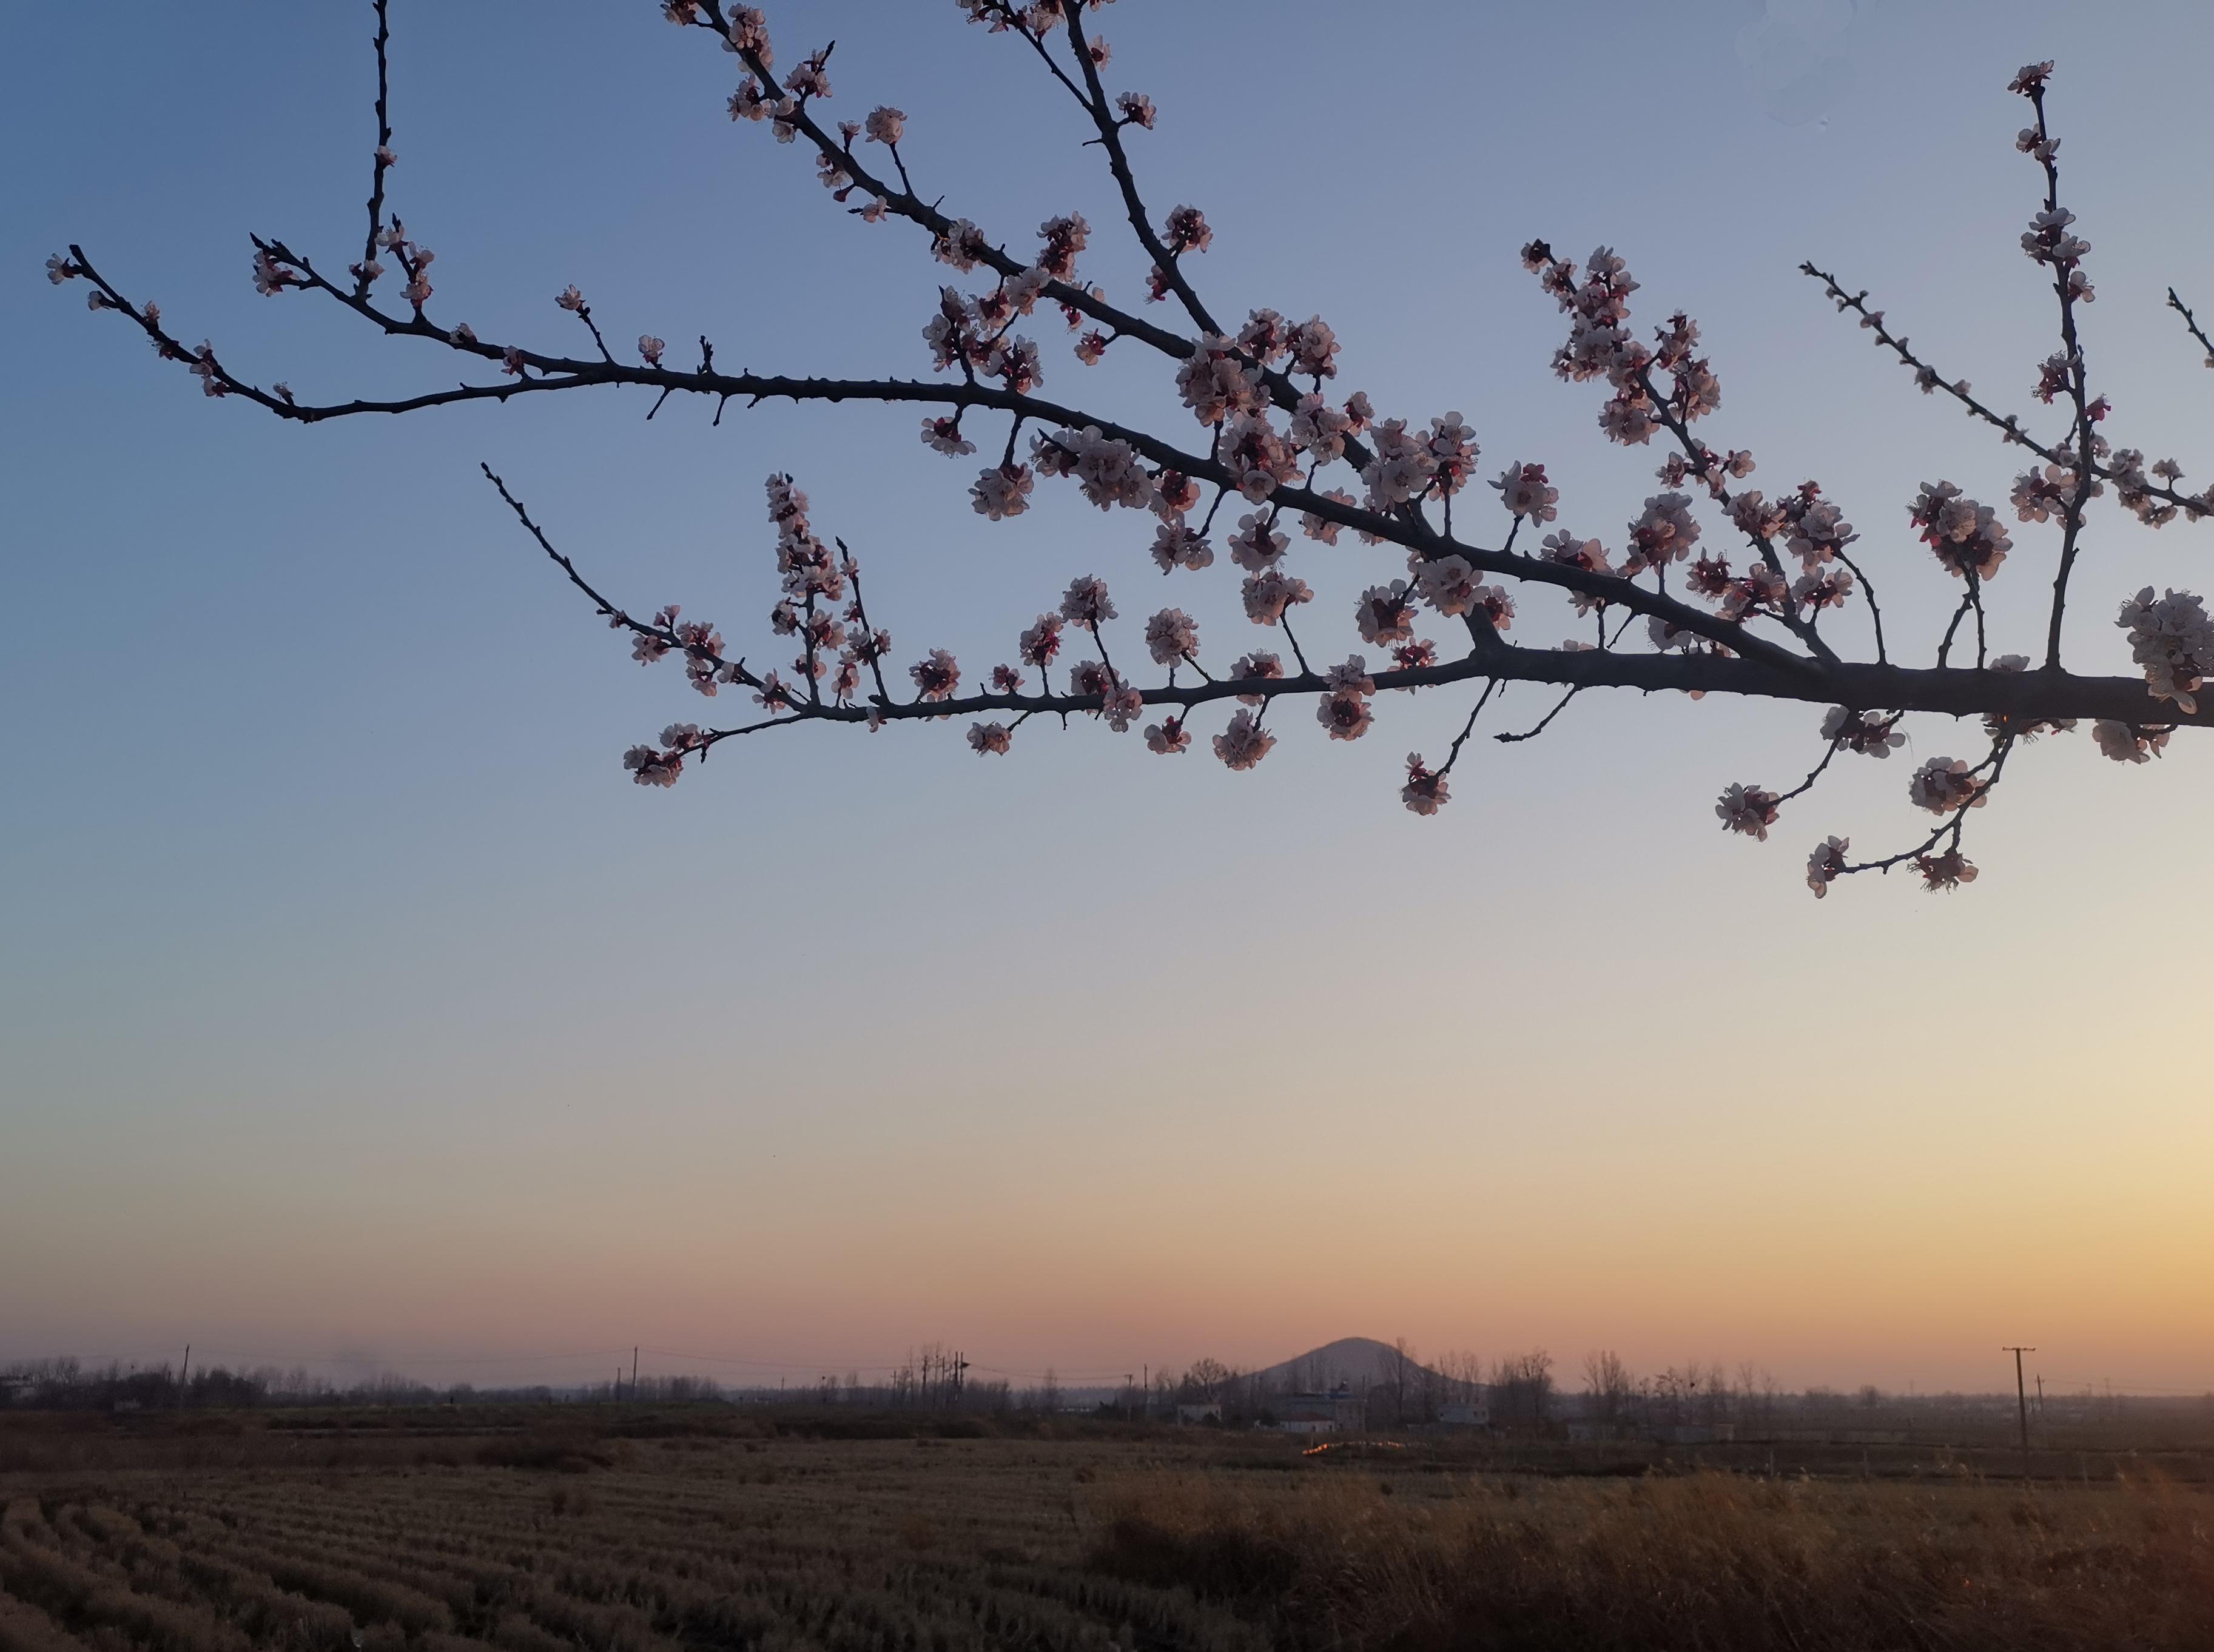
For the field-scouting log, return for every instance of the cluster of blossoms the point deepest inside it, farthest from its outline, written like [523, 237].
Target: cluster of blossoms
[2049, 241]
[1344, 709]
[1869, 734]
[1601, 346]
[1827, 864]
[2126, 743]
[1945, 785]
[660, 765]
[2172, 640]
[1966, 537]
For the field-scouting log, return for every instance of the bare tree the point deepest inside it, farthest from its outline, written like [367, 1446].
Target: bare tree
[1794, 615]
[1206, 1380]
[1609, 1385]
[1403, 1370]
[1522, 1389]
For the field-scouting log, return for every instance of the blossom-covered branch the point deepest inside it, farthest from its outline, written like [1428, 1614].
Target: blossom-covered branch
[1275, 446]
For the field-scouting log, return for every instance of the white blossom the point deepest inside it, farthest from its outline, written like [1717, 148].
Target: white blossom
[1747, 809]
[2172, 640]
[2128, 744]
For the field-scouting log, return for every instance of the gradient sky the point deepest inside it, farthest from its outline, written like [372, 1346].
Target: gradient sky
[355, 1009]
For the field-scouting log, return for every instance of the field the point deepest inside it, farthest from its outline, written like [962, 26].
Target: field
[611, 1531]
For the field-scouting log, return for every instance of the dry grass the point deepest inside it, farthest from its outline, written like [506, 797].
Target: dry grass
[551, 1534]
[548, 1544]
[1351, 1559]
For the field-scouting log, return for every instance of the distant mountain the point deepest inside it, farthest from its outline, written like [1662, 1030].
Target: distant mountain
[1359, 1362]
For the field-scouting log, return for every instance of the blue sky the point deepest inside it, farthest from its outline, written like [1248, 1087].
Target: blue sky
[351, 998]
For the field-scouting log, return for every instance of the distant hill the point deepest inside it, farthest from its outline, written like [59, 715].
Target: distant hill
[1360, 1362]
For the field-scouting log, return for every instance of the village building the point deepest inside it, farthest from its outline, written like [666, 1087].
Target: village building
[1335, 1412]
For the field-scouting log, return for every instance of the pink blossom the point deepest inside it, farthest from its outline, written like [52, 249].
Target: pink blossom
[1106, 468]
[1064, 237]
[809, 80]
[1386, 612]
[1425, 792]
[961, 244]
[1947, 872]
[1571, 552]
[1268, 593]
[1187, 231]
[1176, 546]
[1827, 865]
[569, 299]
[1135, 109]
[1401, 468]
[1664, 532]
[1265, 336]
[1345, 716]
[1319, 430]
[650, 348]
[1168, 737]
[1040, 641]
[1175, 494]
[1351, 678]
[649, 766]
[1944, 786]
[1448, 584]
[994, 738]
[1171, 635]
[943, 435]
[1526, 493]
[1870, 733]
[1256, 666]
[1257, 458]
[1257, 544]
[1245, 742]
[1325, 529]
[1001, 492]
[885, 125]
[1120, 704]
[2172, 639]
[1086, 603]
[935, 675]
[1967, 537]
[750, 33]
[1314, 348]
[1214, 381]
[1496, 605]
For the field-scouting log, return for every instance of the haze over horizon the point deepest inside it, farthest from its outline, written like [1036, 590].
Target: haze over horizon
[354, 1006]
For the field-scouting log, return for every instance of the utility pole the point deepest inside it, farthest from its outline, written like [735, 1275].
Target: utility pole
[634, 1373]
[2022, 1404]
[187, 1370]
